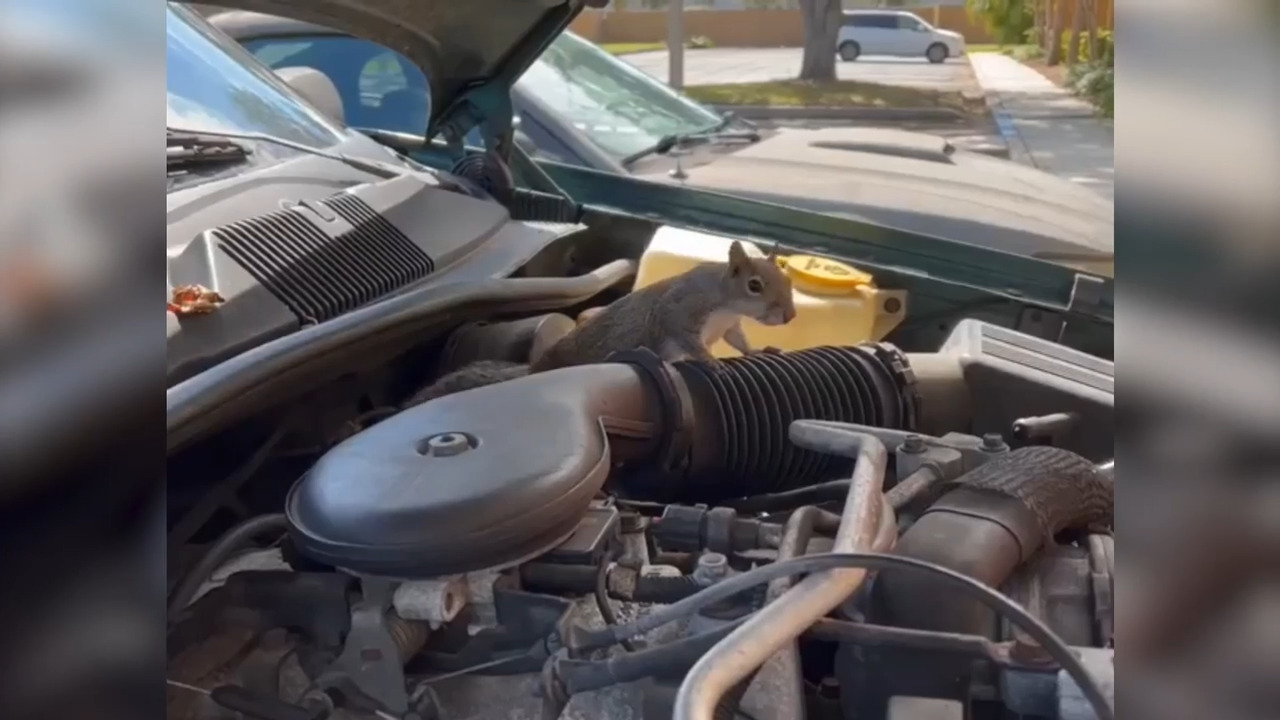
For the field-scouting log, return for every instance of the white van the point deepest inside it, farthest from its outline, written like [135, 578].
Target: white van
[894, 32]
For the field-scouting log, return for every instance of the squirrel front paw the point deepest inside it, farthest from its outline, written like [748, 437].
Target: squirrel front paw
[766, 350]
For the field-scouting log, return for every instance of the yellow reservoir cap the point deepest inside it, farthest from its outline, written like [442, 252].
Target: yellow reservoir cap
[825, 274]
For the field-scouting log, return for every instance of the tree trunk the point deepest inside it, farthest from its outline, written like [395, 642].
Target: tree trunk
[1042, 24]
[822, 19]
[1093, 29]
[1077, 28]
[1054, 55]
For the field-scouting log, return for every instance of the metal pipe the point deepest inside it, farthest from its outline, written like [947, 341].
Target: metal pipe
[974, 646]
[795, 539]
[785, 619]
[912, 487]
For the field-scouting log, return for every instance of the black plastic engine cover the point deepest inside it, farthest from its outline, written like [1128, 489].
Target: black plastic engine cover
[480, 479]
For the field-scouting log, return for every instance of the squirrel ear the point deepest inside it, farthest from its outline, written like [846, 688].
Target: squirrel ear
[736, 258]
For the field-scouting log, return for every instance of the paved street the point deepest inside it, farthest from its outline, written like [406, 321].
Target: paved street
[1046, 126]
[731, 65]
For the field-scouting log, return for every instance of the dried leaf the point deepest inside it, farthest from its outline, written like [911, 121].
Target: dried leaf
[194, 300]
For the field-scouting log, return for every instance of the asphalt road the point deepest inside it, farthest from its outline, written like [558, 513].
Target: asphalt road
[733, 65]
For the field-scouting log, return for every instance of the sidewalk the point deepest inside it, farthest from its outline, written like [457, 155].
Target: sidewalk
[1046, 126]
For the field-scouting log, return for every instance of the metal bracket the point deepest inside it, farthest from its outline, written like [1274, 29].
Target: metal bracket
[1086, 298]
[370, 660]
[950, 456]
[488, 106]
[1087, 294]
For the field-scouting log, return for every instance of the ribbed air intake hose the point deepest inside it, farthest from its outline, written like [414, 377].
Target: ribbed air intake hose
[743, 407]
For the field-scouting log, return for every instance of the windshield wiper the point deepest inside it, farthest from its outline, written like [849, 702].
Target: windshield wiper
[717, 132]
[186, 152]
[196, 140]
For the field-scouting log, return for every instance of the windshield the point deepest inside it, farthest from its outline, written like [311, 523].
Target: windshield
[379, 88]
[214, 85]
[621, 108]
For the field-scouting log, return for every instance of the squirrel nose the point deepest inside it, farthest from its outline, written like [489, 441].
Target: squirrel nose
[788, 314]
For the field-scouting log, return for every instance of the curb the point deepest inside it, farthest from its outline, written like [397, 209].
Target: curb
[1018, 150]
[769, 112]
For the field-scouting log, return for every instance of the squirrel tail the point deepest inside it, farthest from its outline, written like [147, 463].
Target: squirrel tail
[477, 374]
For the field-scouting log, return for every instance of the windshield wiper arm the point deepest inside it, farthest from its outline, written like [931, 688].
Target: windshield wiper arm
[207, 137]
[185, 151]
[716, 132]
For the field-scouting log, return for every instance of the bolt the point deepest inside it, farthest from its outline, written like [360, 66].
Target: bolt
[913, 444]
[447, 444]
[993, 442]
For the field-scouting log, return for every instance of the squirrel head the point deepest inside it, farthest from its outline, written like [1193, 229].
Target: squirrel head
[758, 288]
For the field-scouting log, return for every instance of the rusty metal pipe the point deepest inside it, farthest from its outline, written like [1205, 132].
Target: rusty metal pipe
[785, 619]
[796, 534]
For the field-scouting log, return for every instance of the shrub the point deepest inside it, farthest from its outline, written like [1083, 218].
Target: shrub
[700, 42]
[1022, 53]
[1106, 46]
[1096, 82]
[1008, 20]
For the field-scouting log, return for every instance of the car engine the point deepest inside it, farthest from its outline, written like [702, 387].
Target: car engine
[835, 532]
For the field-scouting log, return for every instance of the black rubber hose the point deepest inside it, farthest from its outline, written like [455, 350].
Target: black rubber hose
[1053, 645]
[832, 491]
[231, 541]
[664, 589]
[670, 660]
[556, 579]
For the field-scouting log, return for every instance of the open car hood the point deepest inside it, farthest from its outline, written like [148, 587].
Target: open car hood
[471, 50]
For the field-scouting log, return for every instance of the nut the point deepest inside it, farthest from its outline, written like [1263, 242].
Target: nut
[447, 444]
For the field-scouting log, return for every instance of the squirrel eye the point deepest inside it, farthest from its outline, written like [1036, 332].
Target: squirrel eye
[755, 285]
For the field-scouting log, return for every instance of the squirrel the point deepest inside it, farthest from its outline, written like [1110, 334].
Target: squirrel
[678, 318]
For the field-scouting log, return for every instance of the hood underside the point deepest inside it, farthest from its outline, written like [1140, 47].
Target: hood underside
[464, 46]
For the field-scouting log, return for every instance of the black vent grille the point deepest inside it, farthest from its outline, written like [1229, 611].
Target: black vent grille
[319, 276]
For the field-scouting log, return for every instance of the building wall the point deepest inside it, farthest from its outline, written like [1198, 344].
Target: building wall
[764, 28]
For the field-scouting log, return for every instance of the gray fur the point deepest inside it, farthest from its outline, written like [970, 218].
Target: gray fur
[679, 317]
[477, 374]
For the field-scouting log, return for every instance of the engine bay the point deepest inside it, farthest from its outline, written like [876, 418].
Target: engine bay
[630, 539]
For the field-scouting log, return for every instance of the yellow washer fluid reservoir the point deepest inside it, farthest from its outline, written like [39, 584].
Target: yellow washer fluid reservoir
[836, 303]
